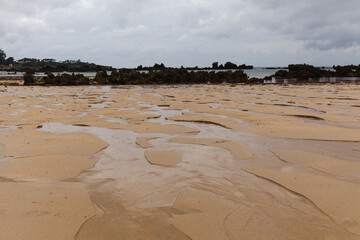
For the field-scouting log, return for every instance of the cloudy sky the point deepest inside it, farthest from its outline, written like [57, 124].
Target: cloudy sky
[128, 33]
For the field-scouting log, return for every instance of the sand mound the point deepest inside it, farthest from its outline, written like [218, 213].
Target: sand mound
[27, 143]
[45, 167]
[337, 167]
[144, 142]
[163, 158]
[33, 211]
[338, 199]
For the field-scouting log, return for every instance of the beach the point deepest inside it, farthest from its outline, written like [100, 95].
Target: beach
[180, 162]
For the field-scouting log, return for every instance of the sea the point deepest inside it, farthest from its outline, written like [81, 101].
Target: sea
[257, 72]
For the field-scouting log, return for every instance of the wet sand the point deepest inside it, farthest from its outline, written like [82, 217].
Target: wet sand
[185, 162]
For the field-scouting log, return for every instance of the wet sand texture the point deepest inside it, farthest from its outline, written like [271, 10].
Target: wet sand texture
[43, 209]
[326, 193]
[269, 162]
[236, 149]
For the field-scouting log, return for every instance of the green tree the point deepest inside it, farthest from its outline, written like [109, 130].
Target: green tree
[2, 56]
[9, 61]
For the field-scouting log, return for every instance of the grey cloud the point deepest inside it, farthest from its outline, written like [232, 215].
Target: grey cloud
[188, 32]
[321, 24]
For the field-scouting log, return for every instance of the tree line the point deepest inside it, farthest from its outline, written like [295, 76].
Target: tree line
[47, 65]
[4, 60]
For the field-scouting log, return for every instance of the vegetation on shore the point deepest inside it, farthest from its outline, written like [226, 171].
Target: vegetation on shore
[299, 72]
[160, 74]
[308, 72]
[134, 77]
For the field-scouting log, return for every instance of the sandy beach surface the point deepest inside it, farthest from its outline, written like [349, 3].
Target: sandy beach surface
[201, 162]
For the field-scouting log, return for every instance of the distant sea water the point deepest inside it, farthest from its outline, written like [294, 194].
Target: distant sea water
[257, 72]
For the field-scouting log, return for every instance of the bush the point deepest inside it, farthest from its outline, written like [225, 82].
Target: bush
[49, 79]
[169, 76]
[29, 79]
[66, 79]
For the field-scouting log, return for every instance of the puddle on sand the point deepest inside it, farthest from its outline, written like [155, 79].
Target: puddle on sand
[164, 113]
[100, 105]
[117, 120]
[214, 105]
[133, 178]
[4, 130]
[125, 176]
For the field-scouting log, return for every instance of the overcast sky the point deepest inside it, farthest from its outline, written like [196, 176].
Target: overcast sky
[127, 33]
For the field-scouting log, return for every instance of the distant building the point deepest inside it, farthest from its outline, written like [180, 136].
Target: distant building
[27, 60]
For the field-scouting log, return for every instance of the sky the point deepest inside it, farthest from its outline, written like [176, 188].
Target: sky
[127, 33]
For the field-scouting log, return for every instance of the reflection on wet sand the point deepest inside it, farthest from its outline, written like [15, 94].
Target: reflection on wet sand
[199, 162]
